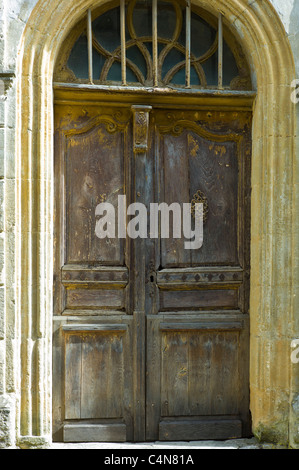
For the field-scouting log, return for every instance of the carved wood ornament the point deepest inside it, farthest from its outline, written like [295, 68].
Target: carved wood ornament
[140, 128]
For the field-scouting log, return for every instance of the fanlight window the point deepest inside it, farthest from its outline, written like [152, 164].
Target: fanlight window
[151, 43]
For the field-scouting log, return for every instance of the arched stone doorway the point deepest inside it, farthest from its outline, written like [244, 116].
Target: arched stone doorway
[151, 339]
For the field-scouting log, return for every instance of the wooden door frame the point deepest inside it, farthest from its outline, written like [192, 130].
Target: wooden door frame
[74, 101]
[274, 233]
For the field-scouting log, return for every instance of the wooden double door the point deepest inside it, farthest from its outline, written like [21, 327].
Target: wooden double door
[151, 340]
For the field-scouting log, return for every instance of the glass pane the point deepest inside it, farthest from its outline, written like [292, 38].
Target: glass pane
[134, 54]
[210, 68]
[166, 20]
[179, 78]
[194, 78]
[172, 58]
[230, 69]
[131, 77]
[202, 36]
[149, 46]
[142, 18]
[114, 73]
[106, 29]
[98, 61]
[78, 59]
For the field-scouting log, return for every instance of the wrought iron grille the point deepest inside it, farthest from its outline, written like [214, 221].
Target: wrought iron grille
[153, 43]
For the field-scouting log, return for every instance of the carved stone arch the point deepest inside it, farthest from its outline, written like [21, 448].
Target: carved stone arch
[272, 376]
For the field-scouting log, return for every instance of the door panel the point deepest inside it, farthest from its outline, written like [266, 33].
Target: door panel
[212, 168]
[197, 342]
[196, 299]
[172, 162]
[196, 365]
[93, 326]
[91, 180]
[151, 339]
[191, 367]
[87, 359]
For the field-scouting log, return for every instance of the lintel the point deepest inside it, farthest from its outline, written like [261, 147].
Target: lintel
[84, 94]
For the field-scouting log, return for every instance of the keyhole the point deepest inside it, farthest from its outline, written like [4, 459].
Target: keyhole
[152, 279]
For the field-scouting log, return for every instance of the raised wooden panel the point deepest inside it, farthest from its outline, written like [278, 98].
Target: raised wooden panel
[200, 429]
[94, 379]
[93, 327]
[212, 168]
[94, 173]
[96, 275]
[204, 324]
[79, 297]
[173, 161]
[115, 432]
[198, 299]
[198, 387]
[200, 373]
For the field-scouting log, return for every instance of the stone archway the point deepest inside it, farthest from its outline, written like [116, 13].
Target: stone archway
[272, 377]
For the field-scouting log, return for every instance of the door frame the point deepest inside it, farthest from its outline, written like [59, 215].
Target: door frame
[83, 98]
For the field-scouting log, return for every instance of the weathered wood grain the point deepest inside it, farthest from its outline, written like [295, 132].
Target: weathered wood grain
[200, 430]
[94, 432]
[201, 298]
[151, 340]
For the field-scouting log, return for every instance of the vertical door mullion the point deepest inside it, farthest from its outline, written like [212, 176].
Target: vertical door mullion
[140, 148]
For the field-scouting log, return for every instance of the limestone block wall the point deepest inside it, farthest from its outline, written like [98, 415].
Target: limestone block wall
[288, 12]
[13, 18]
[279, 422]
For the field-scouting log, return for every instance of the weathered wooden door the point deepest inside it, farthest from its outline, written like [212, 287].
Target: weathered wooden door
[151, 339]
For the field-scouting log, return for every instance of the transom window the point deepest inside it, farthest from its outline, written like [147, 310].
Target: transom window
[153, 43]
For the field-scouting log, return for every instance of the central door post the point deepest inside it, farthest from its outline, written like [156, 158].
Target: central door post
[140, 148]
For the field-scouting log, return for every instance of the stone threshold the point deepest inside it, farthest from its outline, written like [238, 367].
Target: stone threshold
[230, 444]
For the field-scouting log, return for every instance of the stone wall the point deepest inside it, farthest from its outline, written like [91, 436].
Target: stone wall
[14, 15]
